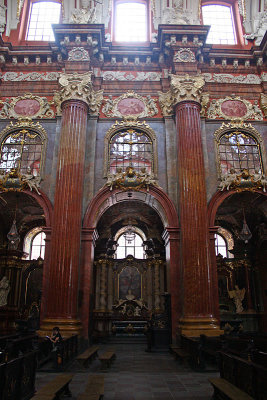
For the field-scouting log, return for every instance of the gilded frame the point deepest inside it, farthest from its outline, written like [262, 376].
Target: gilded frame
[130, 124]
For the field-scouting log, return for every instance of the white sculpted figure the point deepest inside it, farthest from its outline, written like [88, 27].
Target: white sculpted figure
[147, 179]
[4, 290]
[114, 178]
[264, 183]
[238, 296]
[84, 15]
[108, 107]
[137, 312]
[152, 106]
[227, 180]
[32, 181]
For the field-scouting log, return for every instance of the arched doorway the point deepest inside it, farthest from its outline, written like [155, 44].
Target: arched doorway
[20, 213]
[242, 221]
[151, 213]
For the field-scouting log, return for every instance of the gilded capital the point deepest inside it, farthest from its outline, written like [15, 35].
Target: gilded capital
[78, 87]
[182, 88]
[186, 88]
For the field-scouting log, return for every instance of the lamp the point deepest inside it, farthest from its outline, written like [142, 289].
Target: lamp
[245, 233]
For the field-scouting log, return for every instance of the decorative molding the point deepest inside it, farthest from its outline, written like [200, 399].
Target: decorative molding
[234, 108]
[29, 106]
[263, 103]
[78, 54]
[78, 87]
[249, 79]
[130, 106]
[119, 126]
[130, 179]
[131, 76]
[230, 126]
[243, 181]
[29, 76]
[184, 55]
[15, 181]
[183, 88]
[186, 87]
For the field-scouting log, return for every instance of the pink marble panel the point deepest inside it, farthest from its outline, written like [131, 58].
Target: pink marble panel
[234, 108]
[130, 106]
[27, 107]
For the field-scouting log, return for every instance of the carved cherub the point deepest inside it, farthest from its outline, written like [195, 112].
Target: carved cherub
[227, 180]
[32, 181]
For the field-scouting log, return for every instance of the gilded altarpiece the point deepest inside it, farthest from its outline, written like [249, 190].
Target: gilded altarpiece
[127, 290]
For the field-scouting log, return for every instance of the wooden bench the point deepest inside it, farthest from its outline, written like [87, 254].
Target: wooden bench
[88, 356]
[107, 358]
[229, 391]
[181, 355]
[56, 388]
[94, 389]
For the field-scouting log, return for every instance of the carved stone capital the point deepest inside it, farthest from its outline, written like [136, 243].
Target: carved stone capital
[78, 87]
[183, 88]
[186, 88]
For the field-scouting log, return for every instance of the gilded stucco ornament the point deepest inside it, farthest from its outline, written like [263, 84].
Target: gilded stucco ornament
[130, 105]
[184, 55]
[130, 179]
[78, 54]
[183, 88]
[15, 181]
[78, 87]
[242, 181]
[29, 105]
[186, 87]
[234, 108]
[263, 103]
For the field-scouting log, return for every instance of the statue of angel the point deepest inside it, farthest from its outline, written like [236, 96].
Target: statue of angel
[238, 296]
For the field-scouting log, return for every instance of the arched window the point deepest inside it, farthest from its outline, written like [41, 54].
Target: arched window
[221, 246]
[130, 242]
[42, 15]
[240, 151]
[131, 21]
[130, 148]
[220, 18]
[22, 149]
[34, 244]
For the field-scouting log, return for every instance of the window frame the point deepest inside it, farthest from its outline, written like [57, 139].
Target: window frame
[233, 4]
[144, 129]
[39, 130]
[148, 21]
[217, 247]
[28, 241]
[137, 231]
[25, 20]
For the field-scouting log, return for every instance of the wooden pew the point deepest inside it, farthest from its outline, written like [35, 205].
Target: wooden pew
[94, 389]
[106, 359]
[181, 355]
[88, 356]
[55, 389]
[239, 379]
[191, 346]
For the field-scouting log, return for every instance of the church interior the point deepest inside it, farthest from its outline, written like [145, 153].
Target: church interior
[133, 213]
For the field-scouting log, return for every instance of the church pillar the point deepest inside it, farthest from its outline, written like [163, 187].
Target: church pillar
[62, 273]
[171, 238]
[157, 286]
[198, 310]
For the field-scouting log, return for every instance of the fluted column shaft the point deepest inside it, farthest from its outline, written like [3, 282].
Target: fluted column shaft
[196, 266]
[66, 230]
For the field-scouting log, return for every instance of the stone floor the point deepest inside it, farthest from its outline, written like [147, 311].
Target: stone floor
[137, 375]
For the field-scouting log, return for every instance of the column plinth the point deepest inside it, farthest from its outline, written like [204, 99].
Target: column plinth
[198, 308]
[62, 273]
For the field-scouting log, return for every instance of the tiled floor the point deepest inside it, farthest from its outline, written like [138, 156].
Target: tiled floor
[137, 375]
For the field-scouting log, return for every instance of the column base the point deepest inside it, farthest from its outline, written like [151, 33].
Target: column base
[68, 327]
[199, 326]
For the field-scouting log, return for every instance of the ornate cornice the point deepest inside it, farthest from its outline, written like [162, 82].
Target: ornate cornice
[78, 87]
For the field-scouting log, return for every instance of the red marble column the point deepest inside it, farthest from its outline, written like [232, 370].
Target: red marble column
[89, 235]
[198, 316]
[171, 238]
[62, 290]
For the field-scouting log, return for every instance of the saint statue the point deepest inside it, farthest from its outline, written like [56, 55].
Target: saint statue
[238, 296]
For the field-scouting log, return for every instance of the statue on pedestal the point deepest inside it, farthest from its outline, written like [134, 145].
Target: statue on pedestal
[238, 296]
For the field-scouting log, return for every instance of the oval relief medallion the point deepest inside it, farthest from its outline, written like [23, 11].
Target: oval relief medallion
[130, 106]
[234, 108]
[27, 107]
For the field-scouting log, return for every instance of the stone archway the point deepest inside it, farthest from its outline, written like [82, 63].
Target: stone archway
[157, 200]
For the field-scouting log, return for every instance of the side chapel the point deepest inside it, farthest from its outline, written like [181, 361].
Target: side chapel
[133, 170]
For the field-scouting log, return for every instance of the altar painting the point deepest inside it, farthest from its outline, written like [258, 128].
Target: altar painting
[130, 283]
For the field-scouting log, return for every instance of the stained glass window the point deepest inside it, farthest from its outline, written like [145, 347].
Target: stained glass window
[130, 148]
[42, 15]
[240, 151]
[21, 150]
[220, 18]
